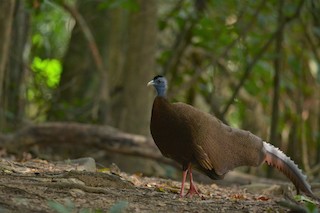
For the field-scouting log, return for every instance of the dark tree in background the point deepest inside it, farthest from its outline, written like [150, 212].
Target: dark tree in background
[6, 19]
[132, 111]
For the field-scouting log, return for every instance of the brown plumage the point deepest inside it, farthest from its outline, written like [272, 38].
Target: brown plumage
[194, 138]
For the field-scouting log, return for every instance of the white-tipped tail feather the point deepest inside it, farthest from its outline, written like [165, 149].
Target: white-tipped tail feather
[275, 157]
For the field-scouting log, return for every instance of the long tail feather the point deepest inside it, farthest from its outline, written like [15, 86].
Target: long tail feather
[278, 159]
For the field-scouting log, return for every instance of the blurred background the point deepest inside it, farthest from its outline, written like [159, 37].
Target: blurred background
[253, 64]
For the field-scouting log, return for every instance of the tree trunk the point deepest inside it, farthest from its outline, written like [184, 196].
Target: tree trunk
[115, 57]
[127, 44]
[134, 106]
[274, 139]
[15, 77]
[6, 20]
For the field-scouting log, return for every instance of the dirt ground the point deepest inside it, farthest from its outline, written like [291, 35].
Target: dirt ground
[41, 186]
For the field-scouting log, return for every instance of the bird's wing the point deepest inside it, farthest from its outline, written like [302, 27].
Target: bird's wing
[217, 146]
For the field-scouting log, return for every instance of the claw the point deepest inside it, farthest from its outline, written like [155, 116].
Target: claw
[192, 191]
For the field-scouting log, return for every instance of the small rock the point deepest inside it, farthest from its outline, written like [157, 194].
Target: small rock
[76, 192]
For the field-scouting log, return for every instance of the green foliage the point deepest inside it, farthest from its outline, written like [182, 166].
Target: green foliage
[119, 207]
[45, 78]
[50, 30]
[203, 34]
[68, 206]
[310, 206]
[47, 71]
[130, 5]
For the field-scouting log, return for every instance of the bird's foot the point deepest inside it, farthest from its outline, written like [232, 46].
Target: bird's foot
[192, 191]
[181, 195]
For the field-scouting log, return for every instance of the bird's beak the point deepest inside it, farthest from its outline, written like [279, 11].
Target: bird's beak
[150, 83]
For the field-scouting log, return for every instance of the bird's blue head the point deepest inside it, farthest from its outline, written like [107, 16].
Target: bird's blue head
[160, 83]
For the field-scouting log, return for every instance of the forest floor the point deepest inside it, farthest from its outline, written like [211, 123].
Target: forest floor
[40, 186]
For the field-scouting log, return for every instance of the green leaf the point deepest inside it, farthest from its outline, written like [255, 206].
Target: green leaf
[119, 207]
[130, 5]
[60, 208]
[48, 69]
[302, 198]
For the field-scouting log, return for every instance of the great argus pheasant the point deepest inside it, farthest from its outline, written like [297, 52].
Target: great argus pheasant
[199, 140]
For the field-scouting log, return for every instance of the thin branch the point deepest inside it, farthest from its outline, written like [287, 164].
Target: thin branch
[215, 60]
[305, 160]
[179, 47]
[182, 41]
[245, 30]
[88, 35]
[186, 85]
[176, 8]
[311, 40]
[261, 52]
[247, 72]
[276, 78]
[313, 46]
[304, 146]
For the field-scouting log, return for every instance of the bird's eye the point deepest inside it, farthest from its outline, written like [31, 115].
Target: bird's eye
[158, 81]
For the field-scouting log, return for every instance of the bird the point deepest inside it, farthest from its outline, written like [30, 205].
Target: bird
[196, 139]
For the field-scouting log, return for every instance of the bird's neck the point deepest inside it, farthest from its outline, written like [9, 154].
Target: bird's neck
[161, 91]
[160, 104]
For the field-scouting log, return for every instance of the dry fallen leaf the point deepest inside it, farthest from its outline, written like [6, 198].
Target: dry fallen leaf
[262, 198]
[238, 196]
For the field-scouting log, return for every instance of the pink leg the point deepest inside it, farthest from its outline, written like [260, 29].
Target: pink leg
[184, 176]
[192, 190]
